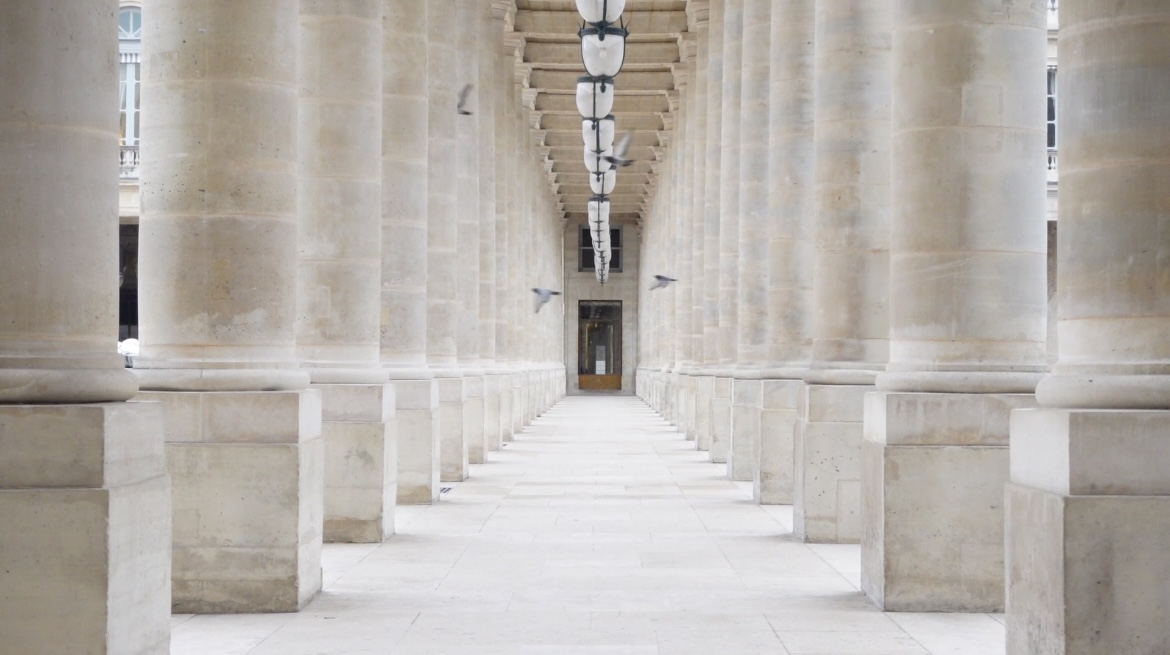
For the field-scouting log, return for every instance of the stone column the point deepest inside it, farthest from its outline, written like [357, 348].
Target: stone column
[339, 199]
[851, 269]
[718, 410]
[743, 458]
[405, 109]
[218, 297]
[84, 496]
[505, 205]
[490, 36]
[684, 239]
[1088, 506]
[966, 346]
[700, 382]
[468, 29]
[790, 246]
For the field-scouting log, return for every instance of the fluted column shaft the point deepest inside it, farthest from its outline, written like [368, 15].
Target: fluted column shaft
[697, 276]
[755, 217]
[711, 208]
[60, 184]
[852, 145]
[968, 199]
[790, 188]
[1114, 245]
[340, 190]
[488, 84]
[405, 111]
[218, 237]
[442, 198]
[729, 191]
[467, 29]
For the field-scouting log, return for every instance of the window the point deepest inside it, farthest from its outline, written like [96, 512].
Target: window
[1052, 107]
[130, 72]
[586, 250]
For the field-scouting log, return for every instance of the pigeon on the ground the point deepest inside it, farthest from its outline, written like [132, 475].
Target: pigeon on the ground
[618, 159]
[662, 282]
[462, 106]
[543, 296]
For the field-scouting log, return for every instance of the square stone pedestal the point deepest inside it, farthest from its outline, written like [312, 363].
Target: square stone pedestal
[491, 414]
[519, 401]
[772, 482]
[721, 419]
[507, 396]
[85, 530]
[361, 461]
[248, 470]
[934, 469]
[827, 463]
[453, 447]
[473, 419]
[1088, 533]
[704, 392]
[418, 441]
[743, 453]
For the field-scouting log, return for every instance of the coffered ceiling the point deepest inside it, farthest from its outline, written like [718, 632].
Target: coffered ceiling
[646, 97]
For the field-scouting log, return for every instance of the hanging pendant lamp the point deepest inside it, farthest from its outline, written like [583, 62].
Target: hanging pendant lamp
[603, 50]
[595, 96]
[599, 134]
[601, 11]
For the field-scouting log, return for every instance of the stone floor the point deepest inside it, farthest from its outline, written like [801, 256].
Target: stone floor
[598, 530]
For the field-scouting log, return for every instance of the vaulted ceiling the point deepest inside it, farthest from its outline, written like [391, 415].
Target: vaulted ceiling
[645, 95]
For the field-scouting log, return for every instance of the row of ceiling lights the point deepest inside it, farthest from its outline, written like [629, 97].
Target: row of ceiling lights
[603, 51]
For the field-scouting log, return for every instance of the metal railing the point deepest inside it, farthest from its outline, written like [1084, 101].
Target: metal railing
[128, 163]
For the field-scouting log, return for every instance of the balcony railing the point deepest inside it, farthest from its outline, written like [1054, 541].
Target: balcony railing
[128, 163]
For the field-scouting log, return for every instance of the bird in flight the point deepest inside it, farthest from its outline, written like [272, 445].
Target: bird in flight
[543, 296]
[618, 159]
[462, 106]
[662, 282]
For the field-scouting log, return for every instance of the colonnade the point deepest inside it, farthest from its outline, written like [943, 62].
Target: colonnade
[335, 311]
[859, 325]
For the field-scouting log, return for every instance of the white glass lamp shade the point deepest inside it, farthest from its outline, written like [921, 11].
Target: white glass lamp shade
[595, 162]
[603, 184]
[601, 240]
[599, 214]
[594, 97]
[599, 135]
[598, 11]
[603, 50]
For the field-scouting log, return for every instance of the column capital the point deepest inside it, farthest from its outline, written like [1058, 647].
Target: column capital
[682, 76]
[688, 46]
[514, 44]
[698, 14]
[505, 12]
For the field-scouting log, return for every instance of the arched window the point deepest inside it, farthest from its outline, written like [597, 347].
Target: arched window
[130, 71]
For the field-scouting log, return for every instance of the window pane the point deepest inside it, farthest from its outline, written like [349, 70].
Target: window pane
[615, 262]
[587, 263]
[615, 238]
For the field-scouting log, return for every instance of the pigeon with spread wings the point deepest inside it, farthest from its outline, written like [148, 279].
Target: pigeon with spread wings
[542, 297]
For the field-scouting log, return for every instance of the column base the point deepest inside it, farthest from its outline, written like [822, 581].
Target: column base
[935, 465]
[721, 390]
[85, 549]
[519, 401]
[743, 452]
[418, 441]
[248, 470]
[772, 484]
[507, 433]
[360, 429]
[827, 464]
[1088, 523]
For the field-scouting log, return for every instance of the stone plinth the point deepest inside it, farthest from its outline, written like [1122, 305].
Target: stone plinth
[361, 461]
[506, 398]
[248, 470]
[721, 418]
[827, 463]
[453, 453]
[743, 461]
[773, 480]
[704, 391]
[491, 413]
[418, 441]
[1088, 521]
[85, 551]
[474, 421]
[934, 467]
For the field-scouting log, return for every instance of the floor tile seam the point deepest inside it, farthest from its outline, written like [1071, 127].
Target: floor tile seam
[270, 635]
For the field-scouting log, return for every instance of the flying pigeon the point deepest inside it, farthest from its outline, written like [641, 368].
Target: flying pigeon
[462, 106]
[618, 159]
[662, 282]
[543, 296]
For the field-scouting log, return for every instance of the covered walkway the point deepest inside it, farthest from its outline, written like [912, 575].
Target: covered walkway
[598, 530]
